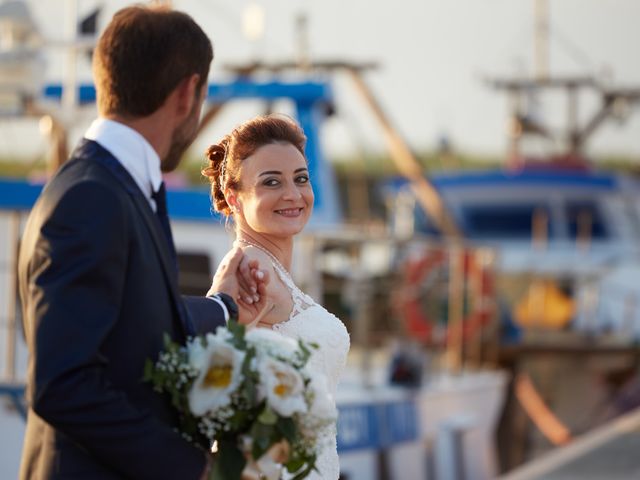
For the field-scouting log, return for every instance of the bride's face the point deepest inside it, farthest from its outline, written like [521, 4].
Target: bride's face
[275, 196]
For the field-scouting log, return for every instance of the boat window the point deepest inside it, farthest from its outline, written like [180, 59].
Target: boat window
[516, 221]
[585, 220]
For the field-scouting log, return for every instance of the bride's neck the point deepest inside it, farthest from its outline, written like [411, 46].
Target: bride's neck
[281, 248]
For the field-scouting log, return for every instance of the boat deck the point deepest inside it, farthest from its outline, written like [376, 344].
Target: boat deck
[610, 452]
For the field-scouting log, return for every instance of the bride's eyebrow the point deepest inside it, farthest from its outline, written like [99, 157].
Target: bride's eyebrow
[270, 172]
[278, 172]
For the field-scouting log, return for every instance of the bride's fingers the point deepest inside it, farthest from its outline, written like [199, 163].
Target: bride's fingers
[262, 278]
[246, 284]
[245, 277]
[246, 296]
[267, 308]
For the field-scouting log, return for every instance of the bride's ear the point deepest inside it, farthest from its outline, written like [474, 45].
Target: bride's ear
[232, 200]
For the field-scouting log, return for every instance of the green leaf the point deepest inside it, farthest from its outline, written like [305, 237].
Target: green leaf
[308, 468]
[287, 427]
[237, 330]
[268, 417]
[167, 341]
[263, 437]
[148, 371]
[304, 474]
[229, 462]
[294, 465]
[249, 388]
[305, 351]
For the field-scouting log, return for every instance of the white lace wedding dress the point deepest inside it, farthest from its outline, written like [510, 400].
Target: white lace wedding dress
[311, 322]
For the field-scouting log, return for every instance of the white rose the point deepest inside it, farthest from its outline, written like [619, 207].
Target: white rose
[282, 386]
[197, 354]
[219, 375]
[268, 341]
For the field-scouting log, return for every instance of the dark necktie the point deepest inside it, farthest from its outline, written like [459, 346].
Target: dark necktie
[160, 198]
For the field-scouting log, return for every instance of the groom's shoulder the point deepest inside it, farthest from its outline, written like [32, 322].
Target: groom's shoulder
[79, 181]
[81, 184]
[82, 171]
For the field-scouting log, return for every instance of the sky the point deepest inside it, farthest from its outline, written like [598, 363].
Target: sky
[433, 57]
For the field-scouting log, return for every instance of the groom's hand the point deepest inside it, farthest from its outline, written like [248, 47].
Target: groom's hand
[224, 280]
[244, 281]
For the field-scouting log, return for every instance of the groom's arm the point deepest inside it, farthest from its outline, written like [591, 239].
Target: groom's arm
[76, 282]
[208, 313]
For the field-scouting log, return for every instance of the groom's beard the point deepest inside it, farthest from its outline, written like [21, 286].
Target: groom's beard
[182, 138]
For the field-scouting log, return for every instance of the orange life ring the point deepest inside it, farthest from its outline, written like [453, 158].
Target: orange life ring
[417, 322]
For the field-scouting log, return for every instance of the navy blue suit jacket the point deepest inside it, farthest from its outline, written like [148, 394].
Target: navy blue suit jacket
[99, 291]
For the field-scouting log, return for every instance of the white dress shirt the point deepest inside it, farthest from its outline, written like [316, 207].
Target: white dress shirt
[133, 152]
[138, 158]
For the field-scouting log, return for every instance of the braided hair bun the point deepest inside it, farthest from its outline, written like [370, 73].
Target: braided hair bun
[215, 170]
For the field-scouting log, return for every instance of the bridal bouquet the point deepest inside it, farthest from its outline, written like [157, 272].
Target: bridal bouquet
[250, 396]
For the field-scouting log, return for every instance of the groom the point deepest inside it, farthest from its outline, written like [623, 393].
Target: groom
[97, 266]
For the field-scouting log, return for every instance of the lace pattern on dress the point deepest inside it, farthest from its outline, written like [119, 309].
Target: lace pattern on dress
[311, 321]
[301, 301]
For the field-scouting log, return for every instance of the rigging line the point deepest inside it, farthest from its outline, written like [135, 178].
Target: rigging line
[577, 54]
[353, 126]
[513, 50]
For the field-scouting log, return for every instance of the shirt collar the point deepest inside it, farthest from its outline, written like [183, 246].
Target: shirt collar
[132, 150]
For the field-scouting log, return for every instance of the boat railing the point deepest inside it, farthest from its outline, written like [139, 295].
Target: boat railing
[11, 385]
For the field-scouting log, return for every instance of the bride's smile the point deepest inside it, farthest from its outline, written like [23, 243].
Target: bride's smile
[275, 197]
[291, 212]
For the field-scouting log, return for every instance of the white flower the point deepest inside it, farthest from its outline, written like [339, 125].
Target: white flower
[322, 405]
[268, 341]
[219, 374]
[197, 354]
[268, 467]
[282, 386]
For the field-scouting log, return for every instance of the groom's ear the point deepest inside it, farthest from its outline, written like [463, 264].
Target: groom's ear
[187, 94]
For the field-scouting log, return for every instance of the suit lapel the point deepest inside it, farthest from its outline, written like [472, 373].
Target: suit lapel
[92, 151]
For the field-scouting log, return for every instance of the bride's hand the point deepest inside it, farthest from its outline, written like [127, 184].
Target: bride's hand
[254, 316]
[269, 466]
[242, 279]
[251, 280]
[248, 312]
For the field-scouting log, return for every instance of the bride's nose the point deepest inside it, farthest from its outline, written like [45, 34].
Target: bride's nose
[291, 192]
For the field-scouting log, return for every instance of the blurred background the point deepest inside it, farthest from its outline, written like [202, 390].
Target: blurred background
[477, 216]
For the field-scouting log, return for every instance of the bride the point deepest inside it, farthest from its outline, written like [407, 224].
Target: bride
[259, 178]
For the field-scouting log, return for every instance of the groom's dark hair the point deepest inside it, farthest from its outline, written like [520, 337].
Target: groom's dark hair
[142, 56]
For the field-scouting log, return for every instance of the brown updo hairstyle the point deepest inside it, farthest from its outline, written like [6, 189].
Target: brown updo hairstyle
[224, 158]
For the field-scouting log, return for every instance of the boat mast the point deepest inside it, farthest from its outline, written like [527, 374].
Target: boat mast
[614, 102]
[541, 44]
[69, 91]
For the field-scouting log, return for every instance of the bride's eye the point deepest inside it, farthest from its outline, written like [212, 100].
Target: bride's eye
[302, 179]
[271, 182]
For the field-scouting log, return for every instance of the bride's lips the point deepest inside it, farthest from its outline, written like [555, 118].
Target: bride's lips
[290, 212]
